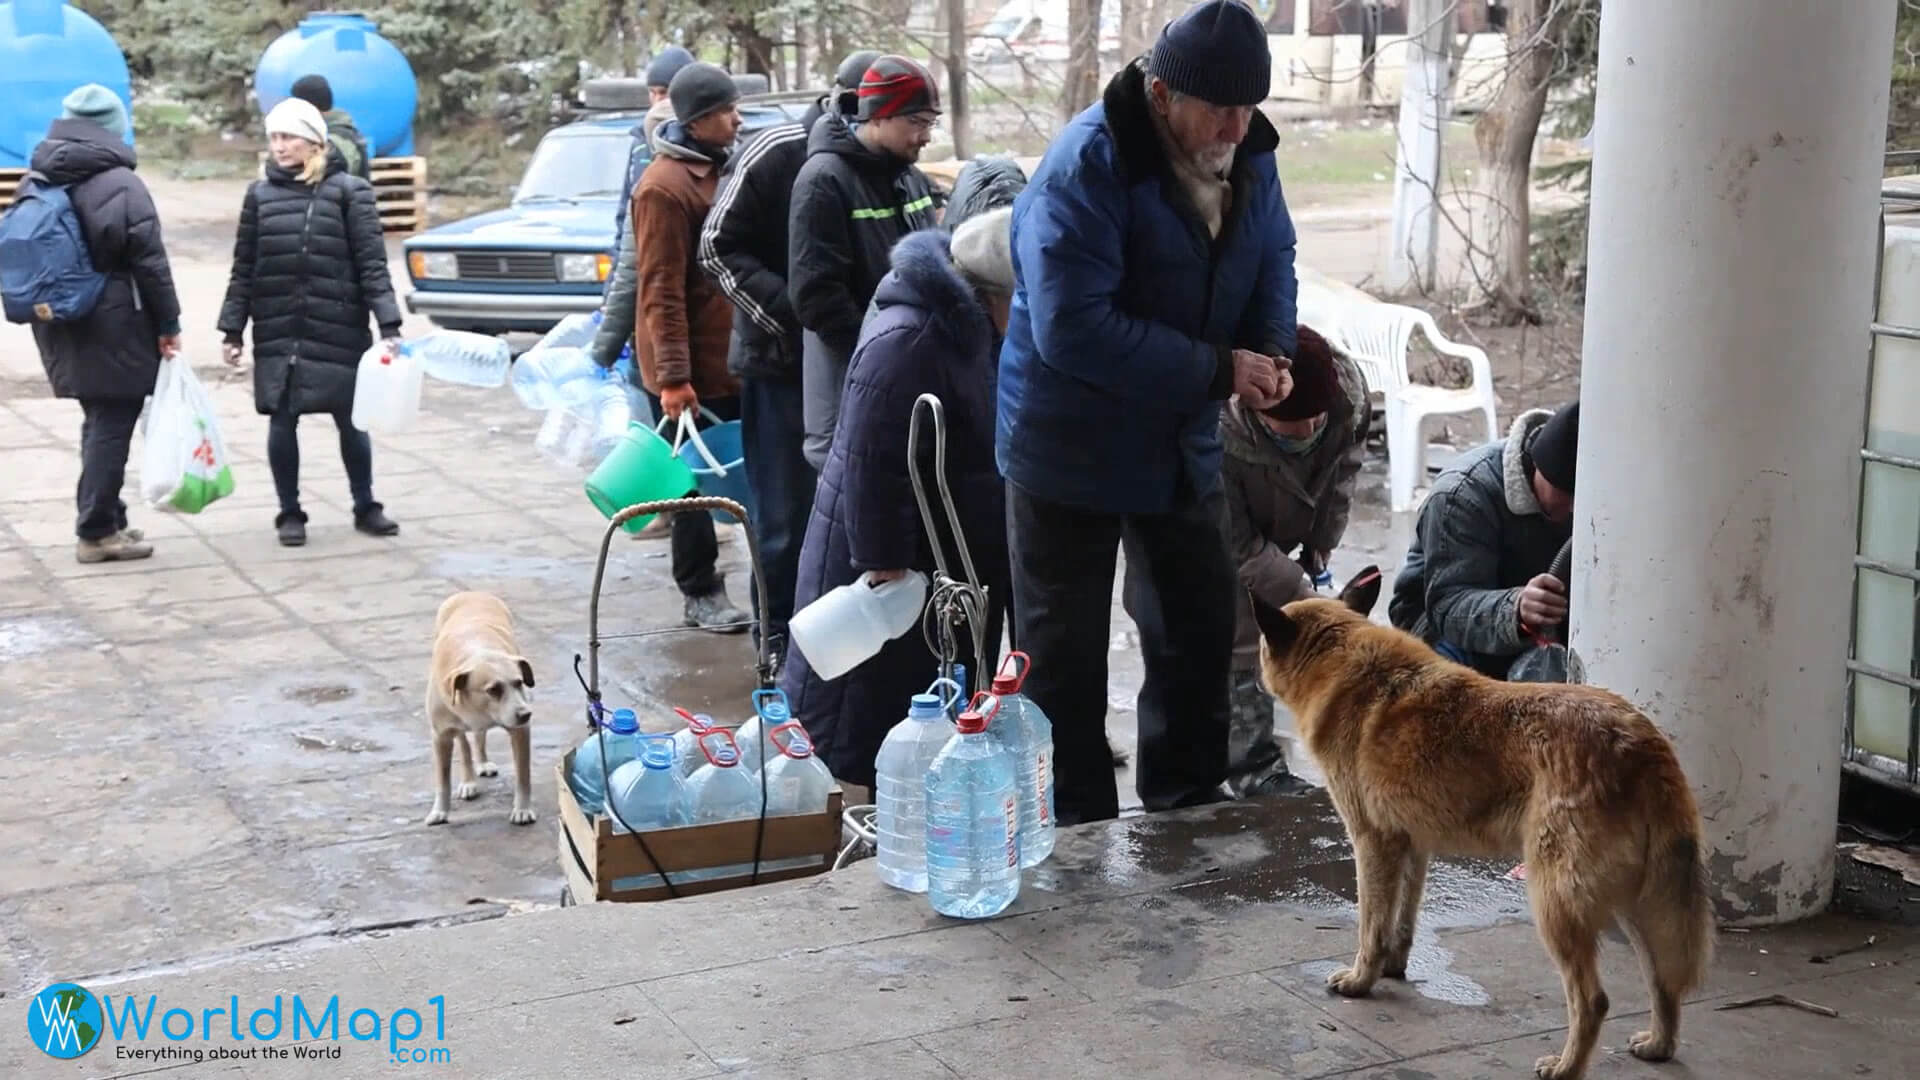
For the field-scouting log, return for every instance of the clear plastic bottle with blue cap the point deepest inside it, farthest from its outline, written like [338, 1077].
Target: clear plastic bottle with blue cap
[1028, 736]
[770, 710]
[973, 820]
[646, 793]
[615, 743]
[900, 786]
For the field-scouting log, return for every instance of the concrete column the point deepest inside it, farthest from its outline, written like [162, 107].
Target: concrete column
[1736, 177]
[1419, 159]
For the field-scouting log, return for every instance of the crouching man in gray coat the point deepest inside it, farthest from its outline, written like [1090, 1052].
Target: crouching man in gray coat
[1475, 584]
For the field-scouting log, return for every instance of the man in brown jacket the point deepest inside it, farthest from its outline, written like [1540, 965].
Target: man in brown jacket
[1289, 474]
[684, 322]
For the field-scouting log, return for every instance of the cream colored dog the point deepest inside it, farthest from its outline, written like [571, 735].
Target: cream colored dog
[478, 680]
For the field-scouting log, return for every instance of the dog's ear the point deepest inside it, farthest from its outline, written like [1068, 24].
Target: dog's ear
[460, 682]
[526, 671]
[1275, 625]
[1362, 591]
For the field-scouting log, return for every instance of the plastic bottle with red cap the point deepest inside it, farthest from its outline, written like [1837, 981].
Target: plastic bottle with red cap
[1028, 735]
[796, 781]
[973, 820]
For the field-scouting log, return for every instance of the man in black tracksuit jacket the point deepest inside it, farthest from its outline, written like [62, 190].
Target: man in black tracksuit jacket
[857, 194]
[743, 247]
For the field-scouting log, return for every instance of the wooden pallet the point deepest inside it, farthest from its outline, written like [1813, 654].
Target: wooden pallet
[400, 187]
[9, 183]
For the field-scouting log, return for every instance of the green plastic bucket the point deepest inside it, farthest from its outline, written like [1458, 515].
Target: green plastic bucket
[642, 467]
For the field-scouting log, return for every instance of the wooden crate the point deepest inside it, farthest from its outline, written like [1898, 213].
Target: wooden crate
[9, 183]
[595, 859]
[400, 187]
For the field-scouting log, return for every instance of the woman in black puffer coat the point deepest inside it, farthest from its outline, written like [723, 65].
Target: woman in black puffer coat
[309, 266]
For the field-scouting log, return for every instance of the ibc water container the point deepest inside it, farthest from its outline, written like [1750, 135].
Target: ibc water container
[48, 49]
[371, 79]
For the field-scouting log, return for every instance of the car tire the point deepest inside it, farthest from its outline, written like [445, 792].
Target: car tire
[614, 93]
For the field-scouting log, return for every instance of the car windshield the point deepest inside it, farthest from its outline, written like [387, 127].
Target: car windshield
[570, 167]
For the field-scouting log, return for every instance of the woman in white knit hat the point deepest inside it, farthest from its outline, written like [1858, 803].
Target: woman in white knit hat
[309, 269]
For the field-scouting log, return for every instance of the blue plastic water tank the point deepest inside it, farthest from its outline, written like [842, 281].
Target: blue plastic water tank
[47, 50]
[371, 80]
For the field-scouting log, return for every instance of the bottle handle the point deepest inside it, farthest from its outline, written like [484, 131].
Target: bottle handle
[985, 704]
[761, 699]
[786, 746]
[717, 733]
[699, 725]
[941, 686]
[1019, 674]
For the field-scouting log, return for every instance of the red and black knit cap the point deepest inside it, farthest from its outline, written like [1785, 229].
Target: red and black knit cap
[1316, 381]
[897, 86]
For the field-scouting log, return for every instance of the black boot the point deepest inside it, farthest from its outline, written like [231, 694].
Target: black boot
[374, 521]
[292, 528]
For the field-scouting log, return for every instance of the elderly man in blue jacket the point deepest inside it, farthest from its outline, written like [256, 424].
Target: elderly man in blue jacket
[1154, 256]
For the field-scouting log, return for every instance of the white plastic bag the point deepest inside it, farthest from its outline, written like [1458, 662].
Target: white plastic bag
[185, 466]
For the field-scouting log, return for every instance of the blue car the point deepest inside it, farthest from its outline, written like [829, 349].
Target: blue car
[549, 253]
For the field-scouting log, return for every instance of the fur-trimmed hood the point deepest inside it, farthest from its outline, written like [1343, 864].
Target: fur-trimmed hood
[1515, 483]
[924, 277]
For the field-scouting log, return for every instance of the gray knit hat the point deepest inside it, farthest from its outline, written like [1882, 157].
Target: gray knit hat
[1216, 52]
[664, 67]
[983, 250]
[98, 104]
[699, 89]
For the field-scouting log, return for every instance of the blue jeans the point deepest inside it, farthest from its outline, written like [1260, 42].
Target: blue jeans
[772, 433]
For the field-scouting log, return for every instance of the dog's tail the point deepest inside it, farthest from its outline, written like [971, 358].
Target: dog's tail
[1675, 911]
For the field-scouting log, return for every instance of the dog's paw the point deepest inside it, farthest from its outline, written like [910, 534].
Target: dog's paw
[1395, 969]
[437, 816]
[1349, 983]
[488, 768]
[521, 815]
[1644, 1046]
[467, 790]
[1548, 1068]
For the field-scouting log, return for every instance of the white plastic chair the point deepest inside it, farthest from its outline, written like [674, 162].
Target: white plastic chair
[1377, 337]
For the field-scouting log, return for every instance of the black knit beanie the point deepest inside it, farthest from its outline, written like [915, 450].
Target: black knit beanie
[1216, 52]
[1555, 447]
[314, 90]
[701, 88]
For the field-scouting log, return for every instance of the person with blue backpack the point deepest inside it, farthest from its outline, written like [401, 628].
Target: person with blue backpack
[82, 262]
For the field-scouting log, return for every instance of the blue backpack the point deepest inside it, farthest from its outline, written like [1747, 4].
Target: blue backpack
[46, 272]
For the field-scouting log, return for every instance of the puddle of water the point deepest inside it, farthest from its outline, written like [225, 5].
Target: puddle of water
[317, 695]
[350, 746]
[31, 635]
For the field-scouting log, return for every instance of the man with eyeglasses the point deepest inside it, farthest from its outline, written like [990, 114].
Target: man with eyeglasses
[857, 194]
[1154, 258]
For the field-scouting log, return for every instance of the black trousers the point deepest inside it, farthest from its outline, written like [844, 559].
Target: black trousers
[1182, 602]
[773, 431]
[283, 458]
[695, 547]
[106, 436]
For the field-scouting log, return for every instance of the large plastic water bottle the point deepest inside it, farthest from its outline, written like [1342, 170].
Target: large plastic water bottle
[770, 710]
[973, 822]
[572, 332]
[544, 378]
[720, 790]
[687, 755]
[457, 356]
[616, 743]
[612, 411]
[796, 781]
[646, 793]
[1028, 736]
[900, 786]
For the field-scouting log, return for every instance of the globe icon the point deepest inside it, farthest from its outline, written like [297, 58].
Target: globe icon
[64, 1020]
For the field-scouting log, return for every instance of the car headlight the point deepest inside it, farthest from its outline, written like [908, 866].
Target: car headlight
[433, 265]
[585, 268]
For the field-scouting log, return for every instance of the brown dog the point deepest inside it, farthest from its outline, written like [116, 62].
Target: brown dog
[1426, 757]
[478, 681]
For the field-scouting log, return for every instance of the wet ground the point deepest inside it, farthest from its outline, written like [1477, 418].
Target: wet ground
[1172, 946]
